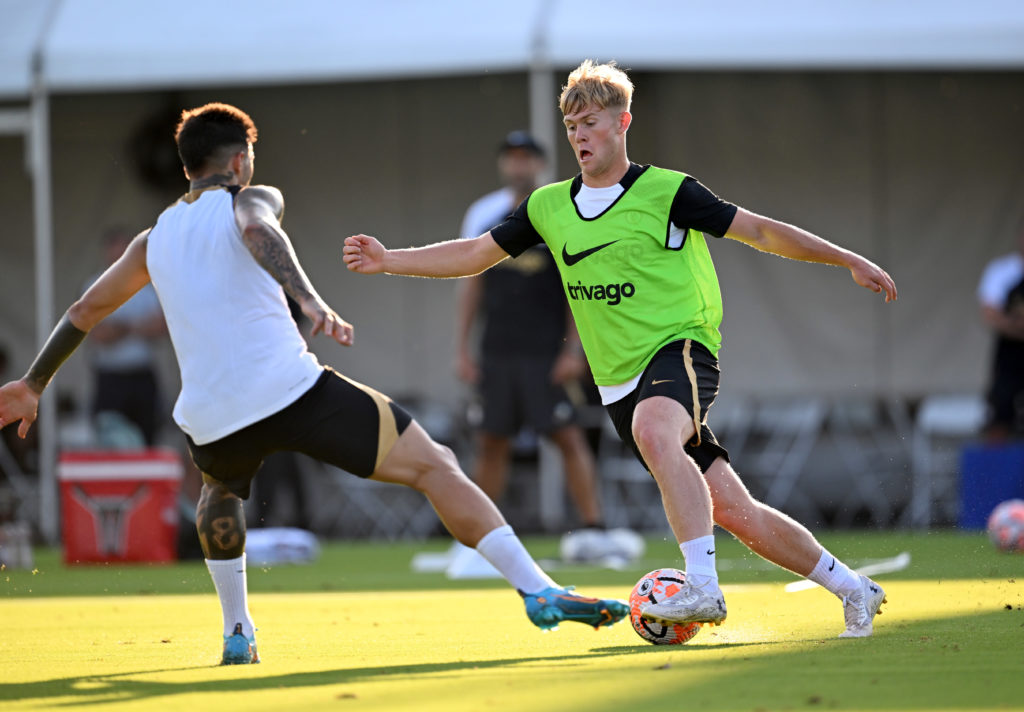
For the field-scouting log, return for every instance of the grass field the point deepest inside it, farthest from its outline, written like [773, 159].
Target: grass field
[358, 631]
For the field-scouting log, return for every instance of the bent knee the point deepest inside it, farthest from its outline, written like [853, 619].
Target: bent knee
[438, 464]
[656, 441]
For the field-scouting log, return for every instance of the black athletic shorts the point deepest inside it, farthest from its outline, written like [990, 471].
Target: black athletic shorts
[517, 391]
[686, 372]
[337, 421]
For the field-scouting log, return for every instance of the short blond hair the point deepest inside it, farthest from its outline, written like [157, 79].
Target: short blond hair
[600, 85]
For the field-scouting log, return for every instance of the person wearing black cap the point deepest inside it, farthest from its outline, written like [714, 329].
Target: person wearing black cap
[529, 351]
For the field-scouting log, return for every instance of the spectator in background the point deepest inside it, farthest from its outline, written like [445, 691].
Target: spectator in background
[124, 354]
[529, 350]
[1001, 293]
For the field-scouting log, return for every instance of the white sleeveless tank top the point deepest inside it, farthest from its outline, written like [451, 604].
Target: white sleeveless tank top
[241, 355]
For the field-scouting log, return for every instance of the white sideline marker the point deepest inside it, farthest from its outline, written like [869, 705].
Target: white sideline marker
[885, 566]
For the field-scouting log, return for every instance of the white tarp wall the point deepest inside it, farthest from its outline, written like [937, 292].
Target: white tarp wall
[920, 171]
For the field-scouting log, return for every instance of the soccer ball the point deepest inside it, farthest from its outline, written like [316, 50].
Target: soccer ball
[654, 588]
[1006, 525]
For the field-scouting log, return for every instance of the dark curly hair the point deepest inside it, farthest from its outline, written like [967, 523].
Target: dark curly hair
[205, 132]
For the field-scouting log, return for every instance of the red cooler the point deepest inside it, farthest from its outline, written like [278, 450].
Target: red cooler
[120, 505]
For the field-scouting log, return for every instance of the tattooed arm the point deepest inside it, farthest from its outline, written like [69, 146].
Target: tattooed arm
[258, 211]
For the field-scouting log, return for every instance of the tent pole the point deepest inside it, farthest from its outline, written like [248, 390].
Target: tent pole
[543, 124]
[42, 208]
[542, 94]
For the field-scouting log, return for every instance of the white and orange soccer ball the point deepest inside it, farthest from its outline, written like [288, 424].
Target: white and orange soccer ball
[654, 588]
[1006, 525]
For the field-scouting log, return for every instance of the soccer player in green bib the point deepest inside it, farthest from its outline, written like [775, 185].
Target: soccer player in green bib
[629, 243]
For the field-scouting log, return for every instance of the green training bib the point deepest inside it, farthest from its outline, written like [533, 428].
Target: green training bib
[630, 292]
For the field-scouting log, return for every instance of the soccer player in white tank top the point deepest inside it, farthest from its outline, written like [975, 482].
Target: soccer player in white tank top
[221, 265]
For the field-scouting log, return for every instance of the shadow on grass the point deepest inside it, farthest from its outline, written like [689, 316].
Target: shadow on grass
[103, 689]
[969, 662]
[647, 648]
[946, 663]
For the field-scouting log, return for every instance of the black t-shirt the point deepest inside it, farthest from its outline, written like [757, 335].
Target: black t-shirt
[694, 207]
[524, 306]
[1009, 354]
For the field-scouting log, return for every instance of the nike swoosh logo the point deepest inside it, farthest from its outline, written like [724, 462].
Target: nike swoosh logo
[833, 565]
[570, 260]
[710, 552]
[664, 380]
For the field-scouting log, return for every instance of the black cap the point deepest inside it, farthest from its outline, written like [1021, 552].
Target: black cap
[523, 140]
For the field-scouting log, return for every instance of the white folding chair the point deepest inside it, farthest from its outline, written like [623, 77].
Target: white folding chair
[943, 424]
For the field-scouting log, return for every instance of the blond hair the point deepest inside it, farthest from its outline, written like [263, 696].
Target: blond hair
[599, 85]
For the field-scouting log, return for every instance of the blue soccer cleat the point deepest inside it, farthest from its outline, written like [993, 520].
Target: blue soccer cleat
[239, 650]
[547, 608]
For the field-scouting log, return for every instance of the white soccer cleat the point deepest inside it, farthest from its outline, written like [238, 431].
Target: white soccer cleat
[860, 608]
[692, 604]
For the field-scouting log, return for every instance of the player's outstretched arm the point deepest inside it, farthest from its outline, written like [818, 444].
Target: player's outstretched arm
[455, 258]
[19, 399]
[785, 240]
[258, 211]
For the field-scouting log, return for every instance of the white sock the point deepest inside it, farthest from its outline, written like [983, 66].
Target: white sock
[699, 555]
[833, 575]
[229, 580]
[507, 554]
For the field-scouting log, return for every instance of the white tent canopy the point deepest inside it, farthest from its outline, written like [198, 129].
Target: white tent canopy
[103, 45]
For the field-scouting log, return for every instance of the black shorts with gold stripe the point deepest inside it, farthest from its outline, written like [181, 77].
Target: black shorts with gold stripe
[687, 372]
[337, 421]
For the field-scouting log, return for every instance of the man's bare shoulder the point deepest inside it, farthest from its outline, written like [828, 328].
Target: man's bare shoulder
[262, 196]
[139, 243]
[267, 193]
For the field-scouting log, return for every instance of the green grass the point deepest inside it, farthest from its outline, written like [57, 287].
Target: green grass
[366, 566]
[357, 630]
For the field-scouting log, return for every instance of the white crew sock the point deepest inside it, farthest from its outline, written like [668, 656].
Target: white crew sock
[229, 580]
[833, 575]
[699, 555]
[507, 554]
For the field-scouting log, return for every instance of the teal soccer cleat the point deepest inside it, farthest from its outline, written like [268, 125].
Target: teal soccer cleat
[239, 650]
[547, 608]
